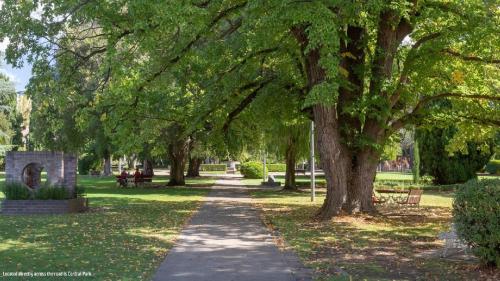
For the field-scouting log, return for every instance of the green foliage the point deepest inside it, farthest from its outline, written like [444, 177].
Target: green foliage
[87, 163]
[79, 191]
[252, 170]
[276, 167]
[391, 151]
[213, 167]
[17, 191]
[493, 167]
[445, 168]
[48, 192]
[476, 212]
[7, 108]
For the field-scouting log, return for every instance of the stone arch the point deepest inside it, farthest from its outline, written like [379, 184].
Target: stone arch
[32, 175]
[60, 167]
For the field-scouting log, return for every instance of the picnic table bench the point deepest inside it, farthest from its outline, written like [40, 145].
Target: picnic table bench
[130, 178]
[396, 196]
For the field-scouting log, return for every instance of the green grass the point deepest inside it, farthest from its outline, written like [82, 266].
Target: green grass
[304, 180]
[379, 247]
[125, 236]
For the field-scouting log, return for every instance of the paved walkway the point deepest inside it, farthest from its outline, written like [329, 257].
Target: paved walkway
[226, 240]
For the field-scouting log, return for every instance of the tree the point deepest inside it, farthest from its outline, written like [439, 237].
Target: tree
[362, 70]
[448, 168]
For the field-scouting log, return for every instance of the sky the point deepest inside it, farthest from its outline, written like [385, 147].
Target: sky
[20, 76]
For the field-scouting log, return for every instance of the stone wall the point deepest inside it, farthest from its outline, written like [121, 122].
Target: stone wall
[60, 167]
[25, 207]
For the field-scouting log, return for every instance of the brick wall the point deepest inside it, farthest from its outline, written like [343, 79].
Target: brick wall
[20, 207]
[60, 167]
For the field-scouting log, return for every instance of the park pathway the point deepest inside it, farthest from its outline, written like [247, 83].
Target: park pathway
[226, 240]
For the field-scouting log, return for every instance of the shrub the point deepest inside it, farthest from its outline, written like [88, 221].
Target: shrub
[213, 167]
[87, 163]
[436, 161]
[251, 170]
[276, 167]
[17, 191]
[475, 213]
[48, 192]
[79, 191]
[493, 167]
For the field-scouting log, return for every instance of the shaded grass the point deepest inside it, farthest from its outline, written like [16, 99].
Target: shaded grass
[125, 236]
[389, 246]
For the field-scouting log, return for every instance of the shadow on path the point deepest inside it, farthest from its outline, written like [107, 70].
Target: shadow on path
[226, 240]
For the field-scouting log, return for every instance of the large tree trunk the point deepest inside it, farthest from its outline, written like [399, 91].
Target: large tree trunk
[130, 161]
[194, 167]
[148, 168]
[107, 166]
[290, 158]
[360, 190]
[177, 151]
[335, 160]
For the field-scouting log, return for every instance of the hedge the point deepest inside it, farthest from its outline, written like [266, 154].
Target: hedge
[48, 192]
[252, 170]
[493, 167]
[213, 167]
[276, 167]
[475, 213]
[17, 191]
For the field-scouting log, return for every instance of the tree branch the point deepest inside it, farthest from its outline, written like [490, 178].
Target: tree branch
[469, 58]
[244, 103]
[398, 124]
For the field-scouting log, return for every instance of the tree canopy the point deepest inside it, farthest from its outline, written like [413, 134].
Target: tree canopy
[361, 70]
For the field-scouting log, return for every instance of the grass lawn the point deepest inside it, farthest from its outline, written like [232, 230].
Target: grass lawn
[304, 180]
[125, 236]
[394, 245]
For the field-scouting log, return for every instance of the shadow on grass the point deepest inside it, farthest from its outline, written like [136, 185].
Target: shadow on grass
[127, 239]
[381, 247]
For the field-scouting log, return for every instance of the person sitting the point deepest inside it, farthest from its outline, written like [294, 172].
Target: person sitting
[137, 176]
[122, 179]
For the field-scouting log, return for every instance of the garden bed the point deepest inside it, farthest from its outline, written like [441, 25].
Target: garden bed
[25, 207]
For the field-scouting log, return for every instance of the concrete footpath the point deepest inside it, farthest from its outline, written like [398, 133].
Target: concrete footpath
[226, 240]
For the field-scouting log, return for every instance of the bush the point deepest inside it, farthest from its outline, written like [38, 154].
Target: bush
[436, 161]
[251, 170]
[493, 167]
[475, 213]
[51, 193]
[276, 167]
[87, 163]
[79, 191]
[17, 191]
[213, 167]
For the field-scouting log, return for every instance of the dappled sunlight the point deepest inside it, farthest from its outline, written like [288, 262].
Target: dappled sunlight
[126, 233]
[386, 245]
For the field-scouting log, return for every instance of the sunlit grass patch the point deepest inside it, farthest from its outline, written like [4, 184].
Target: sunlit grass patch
[126, 234]
[385, 246]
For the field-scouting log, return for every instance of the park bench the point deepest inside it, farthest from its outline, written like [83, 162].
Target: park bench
[413, 198]
[378, 200]
[124, 182]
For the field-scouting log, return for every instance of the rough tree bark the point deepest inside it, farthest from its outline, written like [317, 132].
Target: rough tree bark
[177, 151]
[290, 158]
[148, 167]
[335, 160]
[107, 165]
[349, 166]
[194, 166]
